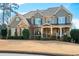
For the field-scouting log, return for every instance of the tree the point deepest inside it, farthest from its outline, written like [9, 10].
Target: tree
[9, 32]
[4, 33]
[75, 35]
[7, 8]
[26, 34]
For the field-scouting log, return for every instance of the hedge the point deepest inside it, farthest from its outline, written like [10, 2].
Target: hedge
[26, 34]
[75, 35]
[4, 33]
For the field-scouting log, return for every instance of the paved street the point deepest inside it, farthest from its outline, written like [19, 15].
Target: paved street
[51, 47]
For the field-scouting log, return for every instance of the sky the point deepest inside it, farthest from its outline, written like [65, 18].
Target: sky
[72, 7]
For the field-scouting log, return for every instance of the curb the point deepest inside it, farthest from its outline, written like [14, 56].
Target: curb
[36, 53]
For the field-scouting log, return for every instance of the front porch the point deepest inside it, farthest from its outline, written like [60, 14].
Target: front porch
[54, 31]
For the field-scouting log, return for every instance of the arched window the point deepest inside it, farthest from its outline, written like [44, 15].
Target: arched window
[38, 21]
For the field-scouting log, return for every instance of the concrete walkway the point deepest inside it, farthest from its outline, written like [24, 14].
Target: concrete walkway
[36, 46]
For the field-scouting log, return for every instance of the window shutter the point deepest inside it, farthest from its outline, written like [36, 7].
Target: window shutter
[41, 21]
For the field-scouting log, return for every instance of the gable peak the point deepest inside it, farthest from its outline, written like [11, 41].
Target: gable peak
[61, 6]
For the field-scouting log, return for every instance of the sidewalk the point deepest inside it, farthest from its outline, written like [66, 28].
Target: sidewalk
[36, 46]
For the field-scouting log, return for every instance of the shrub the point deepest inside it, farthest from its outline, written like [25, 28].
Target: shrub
[53, 37]
[38, 37]
[15, 37]
[25, 33]
[75, 35]
[66, 38]
[4, 33]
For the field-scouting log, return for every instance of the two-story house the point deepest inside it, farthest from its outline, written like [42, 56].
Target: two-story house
[55, 21]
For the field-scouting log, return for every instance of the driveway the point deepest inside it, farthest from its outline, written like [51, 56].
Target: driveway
[38, 47]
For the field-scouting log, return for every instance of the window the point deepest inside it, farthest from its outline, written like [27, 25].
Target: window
[43, 21]
[61, 20]
[49, 20]
[38, 21]
[17, 19]
[68, 20]
[54, 21]
[12, 31]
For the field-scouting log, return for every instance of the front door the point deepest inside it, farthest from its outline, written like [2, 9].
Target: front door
[46, 32]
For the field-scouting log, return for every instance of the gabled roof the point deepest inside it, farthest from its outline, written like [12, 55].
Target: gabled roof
[51, 11]
[62, 7]
[47, 12]
[14, 23]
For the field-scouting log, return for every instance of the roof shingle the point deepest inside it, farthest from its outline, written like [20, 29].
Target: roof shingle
[48, 12]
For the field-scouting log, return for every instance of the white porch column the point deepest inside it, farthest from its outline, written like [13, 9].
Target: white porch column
[41, 32]
[60, 32]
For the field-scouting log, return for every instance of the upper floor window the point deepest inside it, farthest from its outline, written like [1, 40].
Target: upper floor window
[54, 21]
[49, 20]
[38, 21]
[68, 20]
[61, 20]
